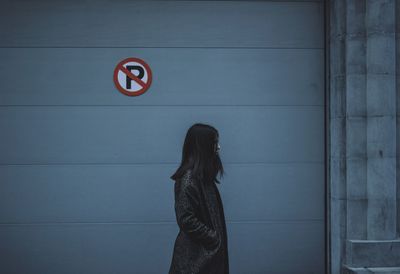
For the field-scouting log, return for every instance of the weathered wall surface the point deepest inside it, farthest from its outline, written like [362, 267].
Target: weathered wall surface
[364, 139]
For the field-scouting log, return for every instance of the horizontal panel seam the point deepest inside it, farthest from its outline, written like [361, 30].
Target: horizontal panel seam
[165, 163]
[145, 47]
[165, 223]
[164, 105]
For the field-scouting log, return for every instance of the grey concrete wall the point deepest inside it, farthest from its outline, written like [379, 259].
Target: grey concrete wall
[364, 132]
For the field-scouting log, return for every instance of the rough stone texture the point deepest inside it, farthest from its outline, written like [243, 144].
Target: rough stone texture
[364, 141]
[381, 129]
[368, 253]
[397, 23]
[373, 270]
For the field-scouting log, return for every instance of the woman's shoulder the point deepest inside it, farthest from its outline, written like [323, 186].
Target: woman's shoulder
[187, 179]
[188, 174]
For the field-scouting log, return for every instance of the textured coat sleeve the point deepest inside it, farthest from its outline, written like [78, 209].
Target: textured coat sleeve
[186, 203]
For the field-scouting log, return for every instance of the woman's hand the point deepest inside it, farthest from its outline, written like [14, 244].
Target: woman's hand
[186, 205]
[216, 244]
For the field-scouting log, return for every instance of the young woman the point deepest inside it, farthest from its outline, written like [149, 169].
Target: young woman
[201, 246]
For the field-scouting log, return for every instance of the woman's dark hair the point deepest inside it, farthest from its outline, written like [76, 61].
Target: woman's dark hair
[199, 154]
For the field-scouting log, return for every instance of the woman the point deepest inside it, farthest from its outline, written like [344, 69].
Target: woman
[201, 246]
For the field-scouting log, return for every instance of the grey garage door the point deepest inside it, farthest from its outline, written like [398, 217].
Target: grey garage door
[84, 169]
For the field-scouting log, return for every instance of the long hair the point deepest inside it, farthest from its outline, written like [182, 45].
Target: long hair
[199, 154]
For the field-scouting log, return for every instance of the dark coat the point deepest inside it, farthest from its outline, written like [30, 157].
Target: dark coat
[201, 245]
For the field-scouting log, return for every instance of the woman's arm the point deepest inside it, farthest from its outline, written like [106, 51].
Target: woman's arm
[186, 203]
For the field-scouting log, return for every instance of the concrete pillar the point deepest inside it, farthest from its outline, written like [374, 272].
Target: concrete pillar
[381, 119]
[356, 122]
[398, 113]
[364, 135]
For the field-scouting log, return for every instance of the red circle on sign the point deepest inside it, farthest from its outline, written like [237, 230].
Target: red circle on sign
[145, 85]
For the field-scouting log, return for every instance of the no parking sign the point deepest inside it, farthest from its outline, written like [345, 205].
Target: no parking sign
[132, 76]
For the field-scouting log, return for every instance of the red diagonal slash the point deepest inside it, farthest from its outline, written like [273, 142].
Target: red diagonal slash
[132, 76]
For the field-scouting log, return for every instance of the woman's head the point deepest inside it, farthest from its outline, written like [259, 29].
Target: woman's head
[200, 153]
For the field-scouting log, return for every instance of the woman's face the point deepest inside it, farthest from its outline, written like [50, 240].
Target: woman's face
[217, 147]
